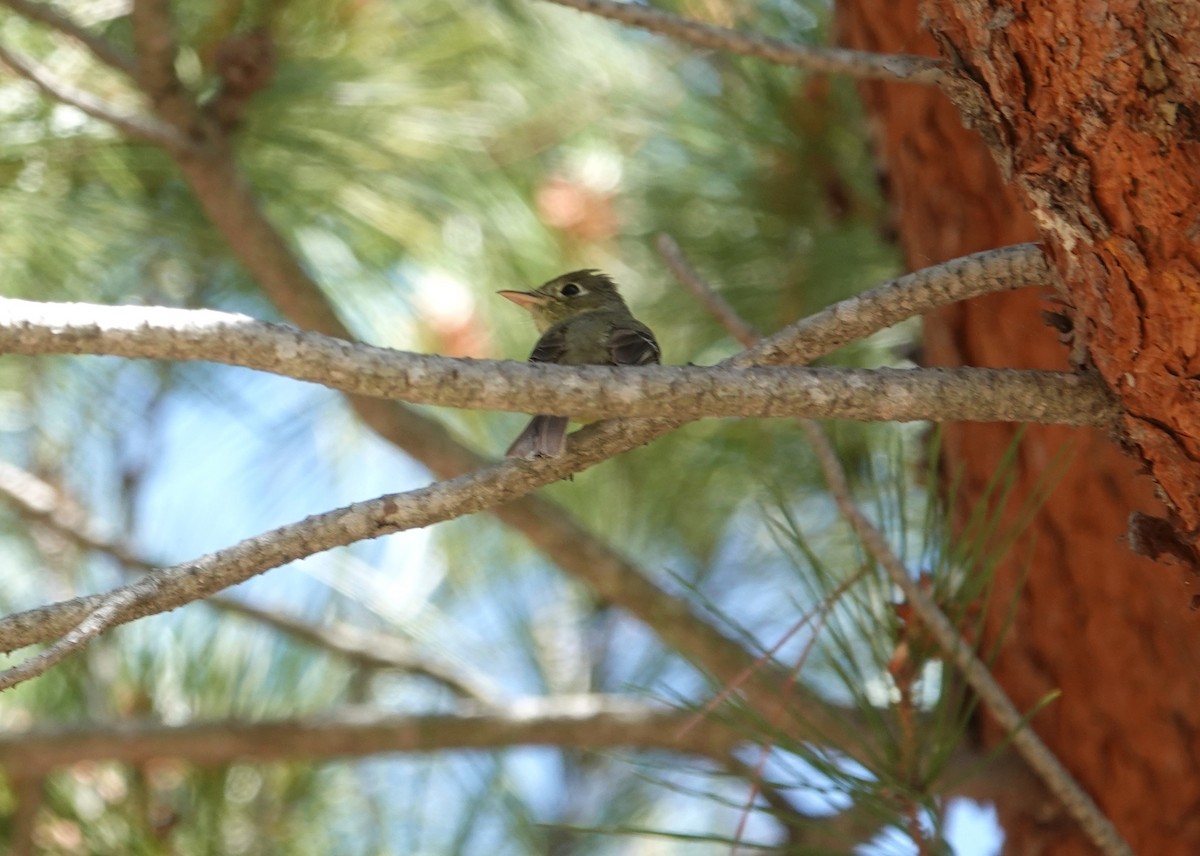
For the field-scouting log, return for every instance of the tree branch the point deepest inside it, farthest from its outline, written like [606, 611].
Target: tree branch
[167, 589]
[100, 48]
[36, 500]
[154, 42]
[682, 393]
[103, 615]
[574, 722]
[172, 587]
[716, 305]
[824, 60]
[964, 278]
[41, 501]
[610, 576]
[136, 127]
[372, 650]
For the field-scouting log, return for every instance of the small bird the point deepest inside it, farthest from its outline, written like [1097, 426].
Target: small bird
[583, 320]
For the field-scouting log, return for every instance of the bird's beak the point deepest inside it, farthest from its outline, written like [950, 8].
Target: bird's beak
[524, 299]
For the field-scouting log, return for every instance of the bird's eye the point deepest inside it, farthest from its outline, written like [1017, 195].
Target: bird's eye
[570, 290]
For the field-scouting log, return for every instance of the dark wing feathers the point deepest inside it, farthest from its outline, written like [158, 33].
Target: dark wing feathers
[633, 344]
[551, 348]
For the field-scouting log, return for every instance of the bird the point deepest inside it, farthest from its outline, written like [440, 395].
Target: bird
[583, 320]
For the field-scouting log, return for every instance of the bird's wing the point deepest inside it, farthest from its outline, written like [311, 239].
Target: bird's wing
[552, 347]
[631, 343]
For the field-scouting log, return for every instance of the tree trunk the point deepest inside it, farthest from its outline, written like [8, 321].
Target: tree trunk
[1108, 630]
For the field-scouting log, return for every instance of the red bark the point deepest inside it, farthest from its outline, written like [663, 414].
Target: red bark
[1099, 104]
[1108, 630]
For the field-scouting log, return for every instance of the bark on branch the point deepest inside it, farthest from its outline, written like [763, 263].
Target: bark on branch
[979, 395]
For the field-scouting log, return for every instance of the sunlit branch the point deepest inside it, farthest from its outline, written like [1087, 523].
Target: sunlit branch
[100, 48]
[824, 60]
[609, 575]
[684, 393]
[136, 127]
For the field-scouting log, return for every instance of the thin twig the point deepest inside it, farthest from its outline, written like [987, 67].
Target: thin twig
[136, 127]
[37, 500]
[371, 650]
[718, 307]
[103, 616]
[1004, 269]
[824, 60]
[676, 392]
[100, 48]
[1043, 761]
[788, 688]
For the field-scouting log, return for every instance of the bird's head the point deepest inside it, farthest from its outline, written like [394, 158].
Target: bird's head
[567, 296]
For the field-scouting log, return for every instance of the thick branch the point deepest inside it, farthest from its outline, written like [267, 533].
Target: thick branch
[100, 48]
[133, 126]
[824, 60]
[978, 395]
[154, 41]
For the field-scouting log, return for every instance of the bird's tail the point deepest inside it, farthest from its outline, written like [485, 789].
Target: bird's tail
[543, 437]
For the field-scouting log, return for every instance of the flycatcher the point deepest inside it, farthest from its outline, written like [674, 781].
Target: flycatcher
[583, 320]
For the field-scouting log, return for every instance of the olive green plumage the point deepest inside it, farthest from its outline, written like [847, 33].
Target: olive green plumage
[583, 320]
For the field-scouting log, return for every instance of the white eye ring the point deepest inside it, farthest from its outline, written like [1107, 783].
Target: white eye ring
[571, 289]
